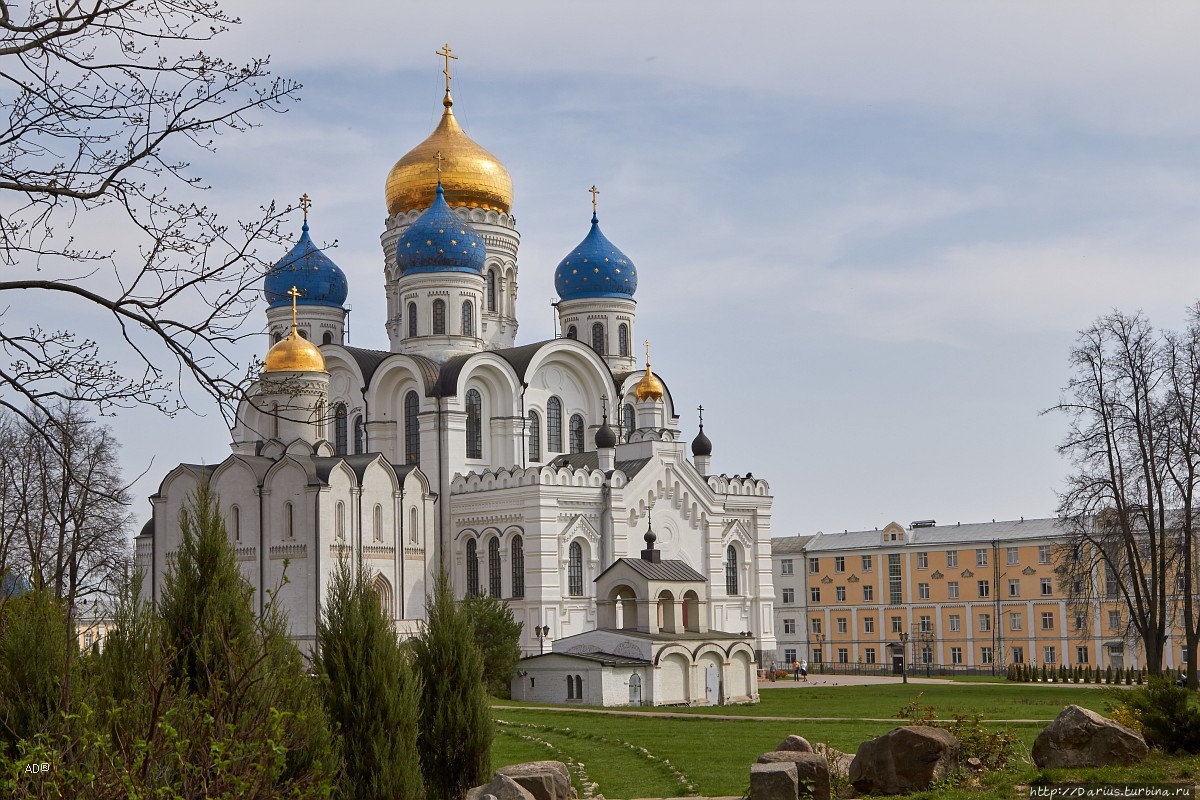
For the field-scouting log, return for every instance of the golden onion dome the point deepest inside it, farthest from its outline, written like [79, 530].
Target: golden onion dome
[470, 175]
[649, 387]
[294, 354]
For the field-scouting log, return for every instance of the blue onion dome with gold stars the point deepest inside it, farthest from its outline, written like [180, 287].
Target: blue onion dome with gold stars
[439, 241]
[595, 268]
[319, 281]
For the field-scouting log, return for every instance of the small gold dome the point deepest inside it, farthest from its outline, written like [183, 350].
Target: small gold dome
[649, 387]
[471, 176]
[294, 354]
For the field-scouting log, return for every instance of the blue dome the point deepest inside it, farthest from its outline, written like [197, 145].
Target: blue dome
[439, 241]
[596, 268]
[320, 281]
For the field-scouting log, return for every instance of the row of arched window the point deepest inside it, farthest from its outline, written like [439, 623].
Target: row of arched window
[576, 428]
[600, 338]
[438, 317]
[341, 431]
[574, 687]
[494, 587]
[326, 338]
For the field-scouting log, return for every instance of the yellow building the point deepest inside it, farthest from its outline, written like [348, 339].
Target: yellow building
[935, 598]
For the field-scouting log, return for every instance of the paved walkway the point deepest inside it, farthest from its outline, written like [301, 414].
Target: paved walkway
[850, 680]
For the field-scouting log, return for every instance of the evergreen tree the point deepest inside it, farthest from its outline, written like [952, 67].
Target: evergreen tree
[370, 691]
[1108, 675]
[455, 733]
[33, 664]
[498, 636]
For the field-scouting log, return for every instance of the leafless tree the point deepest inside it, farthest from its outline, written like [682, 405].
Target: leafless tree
[103, 104]
[1117, 505]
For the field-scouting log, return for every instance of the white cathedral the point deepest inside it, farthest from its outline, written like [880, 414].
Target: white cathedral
[551, 474]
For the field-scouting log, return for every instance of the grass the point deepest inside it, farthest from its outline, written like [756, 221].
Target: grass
[641, 755]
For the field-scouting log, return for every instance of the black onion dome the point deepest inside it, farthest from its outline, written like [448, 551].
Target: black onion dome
[606, 437]
[701, 446]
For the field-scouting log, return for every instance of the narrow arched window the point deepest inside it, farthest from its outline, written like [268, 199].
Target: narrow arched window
[235, 522]
[554, 425]
[630, 422]
[339, 429]
[275, 420]
[472, 567]
[439, 316]
[518, 566]
[575, 570]
[339, 521]
[598, 337]
[327, 338]
[494, 567]
[578, 687]
[731, 570]
[377, 523]
[570, 687]
[572, 333]
[412, 429]
[358, 435]
[491, 290]
[289, 521]
[576, 433]
[303, 333]
[277, 338]
[535, 436]
[468, 318]
[623, 339]
[412, 319]
[474, 424]
[413, 533]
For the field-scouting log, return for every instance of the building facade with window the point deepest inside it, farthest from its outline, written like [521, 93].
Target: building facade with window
[967, 597]
[524, 470]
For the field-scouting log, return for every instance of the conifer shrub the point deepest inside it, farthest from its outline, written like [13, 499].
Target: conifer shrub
[1167, 715]
[498, 636]
[33, 664]
[1108, 675]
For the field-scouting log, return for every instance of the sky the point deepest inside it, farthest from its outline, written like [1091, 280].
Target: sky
[866, 233]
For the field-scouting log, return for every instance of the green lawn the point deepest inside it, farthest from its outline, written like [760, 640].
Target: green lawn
[639, 755]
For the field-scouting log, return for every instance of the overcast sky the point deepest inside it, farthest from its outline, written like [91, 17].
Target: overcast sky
[865, 233]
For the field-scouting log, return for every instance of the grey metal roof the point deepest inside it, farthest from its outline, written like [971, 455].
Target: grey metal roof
[666, 570]
[590, 460]
[788, 545]
[973, 533]
[684, 636]
[607, 659]
[370, 360]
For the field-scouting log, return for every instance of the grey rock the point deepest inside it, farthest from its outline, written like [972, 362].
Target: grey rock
[500, 787]
[812, 771]
[545, 780]
[1082, 738]
[773, 781]
[905, 759]
[795, 743]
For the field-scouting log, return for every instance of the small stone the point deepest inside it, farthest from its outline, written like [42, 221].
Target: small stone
[794, 743]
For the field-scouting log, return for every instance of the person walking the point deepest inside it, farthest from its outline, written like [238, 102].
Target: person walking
[796, 671]
[804, 670]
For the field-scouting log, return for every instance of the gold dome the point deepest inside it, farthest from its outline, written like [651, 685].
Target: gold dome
[294, 354]
[471, 176]
[649, 387]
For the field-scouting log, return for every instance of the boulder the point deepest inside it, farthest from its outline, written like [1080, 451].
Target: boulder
[812, 771]
[500, 787]
[773, 782]
[1082, 738]
[796, 744]
[545, 780]
[907, 759]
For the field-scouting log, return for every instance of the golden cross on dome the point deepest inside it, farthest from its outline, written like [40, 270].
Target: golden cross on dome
[447, 55]
[439, 158]
[594, 192]
[295, 295]
[305, 205]
[647, 354]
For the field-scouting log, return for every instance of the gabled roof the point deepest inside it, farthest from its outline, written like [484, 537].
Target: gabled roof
[591, 460]
[971, 534]
[607, 659]
[370, 360]
[666, 570]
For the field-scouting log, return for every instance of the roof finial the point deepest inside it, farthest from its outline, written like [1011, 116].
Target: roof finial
[295, 295]
[604, 405]
[305, 205]
[647, 354]
[447, 55]
[701, 410]
[594, 192]
[439, 158]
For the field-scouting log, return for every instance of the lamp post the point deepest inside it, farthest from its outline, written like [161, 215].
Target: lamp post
[542, 634]
[904, 656]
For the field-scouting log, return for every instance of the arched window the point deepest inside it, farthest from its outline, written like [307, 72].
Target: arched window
[578, 687]
[289, 521]
[439, 316]
[303, 333]
[377, 523]
[630, 422]
[235, 522]
[518, 566]
[358, 435]
[412, 319]
[383, 594]
[413, 534]
[322, 422]
[554, 425]
[276, 338]
[472, 567]
[327, 338]
[572, 333]
[474, 424]
[494, 567]
[570, 687]
[575, 570]
[491, 290]
[598, 337]
[339, 429]
[623, 339]
[576, 433]
[339, 521]
[412, 429]
[535, 436]
[468, 318]
[731, 570]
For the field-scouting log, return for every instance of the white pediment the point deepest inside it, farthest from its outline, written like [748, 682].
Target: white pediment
[736, 530]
